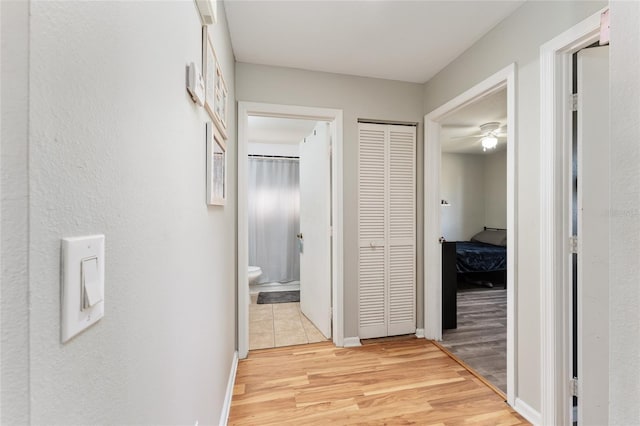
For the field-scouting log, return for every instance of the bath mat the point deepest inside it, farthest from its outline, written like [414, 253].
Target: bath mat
[269, 297]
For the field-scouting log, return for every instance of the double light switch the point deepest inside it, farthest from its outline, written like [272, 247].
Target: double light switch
[82, 284]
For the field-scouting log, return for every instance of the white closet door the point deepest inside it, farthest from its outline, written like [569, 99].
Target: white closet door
[371, 230]
[402, 230]
[386, 229]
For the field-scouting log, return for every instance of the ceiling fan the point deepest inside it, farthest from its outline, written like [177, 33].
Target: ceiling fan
[489, 134]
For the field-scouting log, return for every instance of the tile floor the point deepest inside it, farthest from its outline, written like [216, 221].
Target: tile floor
[280, 324]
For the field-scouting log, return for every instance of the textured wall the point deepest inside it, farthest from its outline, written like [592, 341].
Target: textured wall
[14, 402]
[462, 185]
[518, 39]
[358, 97]
[117, 147]
[476, 188]
[624, 291]
[495, 189]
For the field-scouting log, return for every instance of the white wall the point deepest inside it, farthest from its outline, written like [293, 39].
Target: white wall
[476, 188]
[624, 291]
[358, 97]
[518, 39]
[14, 399]
[495, 189]
[282, 149]
[462, 185]
[116, 146]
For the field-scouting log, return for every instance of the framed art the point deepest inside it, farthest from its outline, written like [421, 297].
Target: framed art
[209, 71]
[216, 167]
[221, 94]
[215, 100]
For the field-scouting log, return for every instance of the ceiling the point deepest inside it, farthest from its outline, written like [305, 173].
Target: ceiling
[390, 39]
[279, 130]
[460, 130]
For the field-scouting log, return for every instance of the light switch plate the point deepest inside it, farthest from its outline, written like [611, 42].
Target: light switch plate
[74, 318]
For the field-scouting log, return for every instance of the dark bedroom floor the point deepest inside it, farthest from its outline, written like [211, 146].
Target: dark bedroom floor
[481, 337]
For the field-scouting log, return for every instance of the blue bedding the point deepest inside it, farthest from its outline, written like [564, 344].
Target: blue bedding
[480, 257]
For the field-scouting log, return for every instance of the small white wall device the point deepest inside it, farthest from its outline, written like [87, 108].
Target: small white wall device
[195, 83]
[208, 11]
[82, 286]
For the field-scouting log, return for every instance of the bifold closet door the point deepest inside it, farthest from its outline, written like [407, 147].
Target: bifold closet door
[386, 229]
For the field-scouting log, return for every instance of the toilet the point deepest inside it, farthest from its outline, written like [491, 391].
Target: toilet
[254, 274]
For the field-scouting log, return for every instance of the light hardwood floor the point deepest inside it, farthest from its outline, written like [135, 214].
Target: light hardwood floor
[481, 337]
[407, 381]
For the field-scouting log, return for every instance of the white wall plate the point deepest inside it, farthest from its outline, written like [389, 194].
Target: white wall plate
[82, 284]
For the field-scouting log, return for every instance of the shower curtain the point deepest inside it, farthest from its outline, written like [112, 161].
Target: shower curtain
[274, 218]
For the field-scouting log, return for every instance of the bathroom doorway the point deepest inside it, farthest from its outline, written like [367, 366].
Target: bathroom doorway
[289, 202]
[288, 247]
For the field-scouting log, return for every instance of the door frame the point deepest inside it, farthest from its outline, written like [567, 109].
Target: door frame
[505, 78]
[334, 117]
[555, 215]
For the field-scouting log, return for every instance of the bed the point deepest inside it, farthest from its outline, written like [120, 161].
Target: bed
[481, 261]
[486, 252]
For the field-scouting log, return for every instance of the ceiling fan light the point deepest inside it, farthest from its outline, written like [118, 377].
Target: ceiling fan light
[489, 142]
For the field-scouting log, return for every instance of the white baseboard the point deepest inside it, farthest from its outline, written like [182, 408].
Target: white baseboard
[420, 333]
[527, 412]
[226, 406]
[351, 342]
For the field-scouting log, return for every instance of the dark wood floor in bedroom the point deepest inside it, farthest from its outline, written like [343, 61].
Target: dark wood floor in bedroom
[481, 337]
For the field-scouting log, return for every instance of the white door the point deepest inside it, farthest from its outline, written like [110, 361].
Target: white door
[593, 235]
[386, 230]
[401, 235]
[372, 230]
[314, 238]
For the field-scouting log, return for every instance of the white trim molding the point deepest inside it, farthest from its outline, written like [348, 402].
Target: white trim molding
[526, 411]
[334, 117]
[505, 78]
[351, 342]
[555, 220]
[420, 333]
[226, 405]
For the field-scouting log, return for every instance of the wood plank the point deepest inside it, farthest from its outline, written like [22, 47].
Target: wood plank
[407, 381]
[480, 341]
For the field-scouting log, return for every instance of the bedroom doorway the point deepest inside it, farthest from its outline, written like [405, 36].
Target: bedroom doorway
[473, 217]
[455, 210]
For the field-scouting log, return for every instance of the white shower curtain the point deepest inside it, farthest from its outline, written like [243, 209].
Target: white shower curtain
[274, 218]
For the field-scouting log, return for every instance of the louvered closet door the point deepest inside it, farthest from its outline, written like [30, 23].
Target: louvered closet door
[372, 230]
[402, 230]
[386, 227]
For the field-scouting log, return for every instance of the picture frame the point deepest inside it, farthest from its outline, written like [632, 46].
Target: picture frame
[216, 92]
[221, 101]
[208, 71]
[216, 167]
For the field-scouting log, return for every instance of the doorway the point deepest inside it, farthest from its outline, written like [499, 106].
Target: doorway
[502, 80]
[474, 227]
[323, 308]
[558, 242]
[289, 205]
